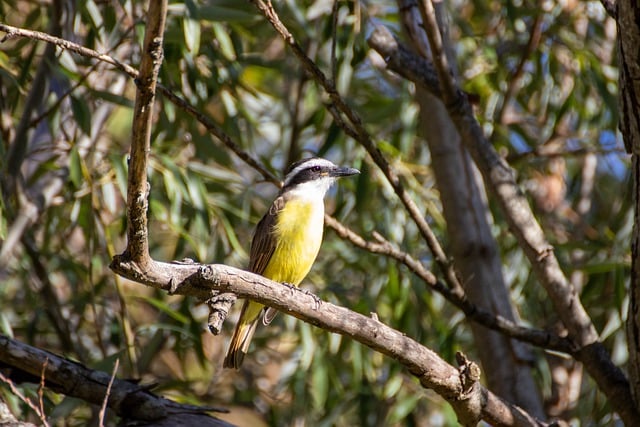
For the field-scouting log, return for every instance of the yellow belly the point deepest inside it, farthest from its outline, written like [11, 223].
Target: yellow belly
[299, 235]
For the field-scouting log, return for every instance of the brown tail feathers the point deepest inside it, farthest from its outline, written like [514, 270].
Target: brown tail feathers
[239, 345]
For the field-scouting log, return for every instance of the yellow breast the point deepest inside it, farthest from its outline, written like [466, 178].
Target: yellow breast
[298, 232]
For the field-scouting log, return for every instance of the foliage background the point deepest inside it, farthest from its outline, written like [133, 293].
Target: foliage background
[551, 111]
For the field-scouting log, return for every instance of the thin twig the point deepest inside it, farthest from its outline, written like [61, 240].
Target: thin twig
[24, 399]
[537, 337]
[534, 40]
[439, 56]
[220, 134]
[214, 129]
[41, 390]
[12, 32]
[103, 409]
[356, 130]
[75, 86]
[334, 41]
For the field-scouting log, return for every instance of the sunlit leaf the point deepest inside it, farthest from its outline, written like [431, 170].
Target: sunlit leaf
[191, 28]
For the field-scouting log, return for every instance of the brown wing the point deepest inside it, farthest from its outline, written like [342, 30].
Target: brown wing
[264, 243]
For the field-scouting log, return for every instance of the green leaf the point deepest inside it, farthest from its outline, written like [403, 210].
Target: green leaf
[403, 407]
[228, 14]
[164, 307]
[191, 28]
[81, 113]
[392, 386]
[75, 167]
[226, 46]
[319, 384]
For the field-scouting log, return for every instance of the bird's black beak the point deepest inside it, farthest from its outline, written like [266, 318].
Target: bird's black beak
[343, 171]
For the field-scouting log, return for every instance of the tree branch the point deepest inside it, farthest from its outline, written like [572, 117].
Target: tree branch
[540, 338]
[35, 408]
[471, 241]
[18, 149]
[439, 56]
[501, 182]
[397, 55]
[137, 186]
[468, 398]
[535, 35]
[127, 399]
[355, 128]
[215, 130]
[13, 32]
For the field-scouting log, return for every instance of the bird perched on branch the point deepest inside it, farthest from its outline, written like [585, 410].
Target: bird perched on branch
[286, 241]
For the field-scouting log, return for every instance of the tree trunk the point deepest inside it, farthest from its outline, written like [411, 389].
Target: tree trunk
[628, 17]
[506, 362]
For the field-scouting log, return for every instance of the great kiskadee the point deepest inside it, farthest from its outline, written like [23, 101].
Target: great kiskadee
[286, 241]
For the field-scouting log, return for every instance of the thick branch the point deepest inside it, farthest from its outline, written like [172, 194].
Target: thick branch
[466, 214]
[501, 181]
[452, 384]
[127, 399]
[397, 55]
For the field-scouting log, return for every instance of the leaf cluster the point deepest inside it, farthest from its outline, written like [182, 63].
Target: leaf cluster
[556, 103]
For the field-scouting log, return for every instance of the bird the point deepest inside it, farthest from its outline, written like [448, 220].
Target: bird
[286, 241]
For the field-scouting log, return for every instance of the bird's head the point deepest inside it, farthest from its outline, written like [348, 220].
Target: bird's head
[314, 176]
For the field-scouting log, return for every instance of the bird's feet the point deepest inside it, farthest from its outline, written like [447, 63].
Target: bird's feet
[291, 286]
[316, 299]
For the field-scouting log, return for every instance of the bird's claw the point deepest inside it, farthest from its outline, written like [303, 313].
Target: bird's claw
[316, 299]
[291, 286]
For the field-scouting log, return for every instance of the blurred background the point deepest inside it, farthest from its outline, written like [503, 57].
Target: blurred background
[545, 80]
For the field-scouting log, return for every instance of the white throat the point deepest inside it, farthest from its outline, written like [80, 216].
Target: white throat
[313, 190]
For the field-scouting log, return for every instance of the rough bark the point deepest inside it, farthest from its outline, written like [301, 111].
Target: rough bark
[459, 386]
[628, 17]
[23, 363]
[633, 319]
[137, 185]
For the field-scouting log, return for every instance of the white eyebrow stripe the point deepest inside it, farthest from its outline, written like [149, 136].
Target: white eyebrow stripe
[314, 161]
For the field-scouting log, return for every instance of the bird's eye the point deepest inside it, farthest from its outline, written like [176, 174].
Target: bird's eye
[316, 169]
